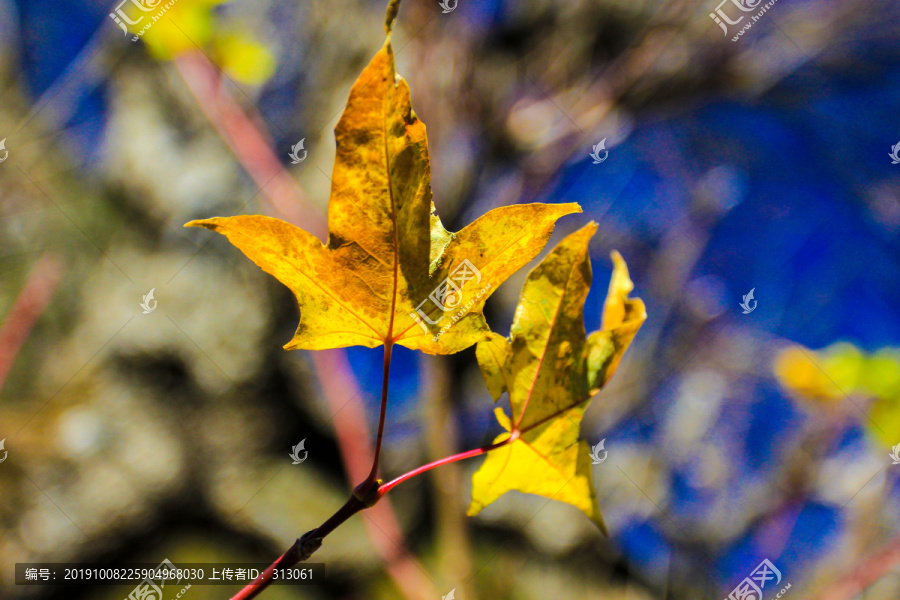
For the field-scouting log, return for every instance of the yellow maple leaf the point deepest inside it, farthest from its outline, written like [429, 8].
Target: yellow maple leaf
[551, 372]
[390, 272]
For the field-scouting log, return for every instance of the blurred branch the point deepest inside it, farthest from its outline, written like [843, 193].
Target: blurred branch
[356, 451]
[867, 572]
[250, 145]
[27, 309]
[442, 434]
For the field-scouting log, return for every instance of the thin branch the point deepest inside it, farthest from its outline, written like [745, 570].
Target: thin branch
[302, 549]
[866, 573]
[306, 546]
[355, 444]
[385, 378]
[27, 308]
[250, 144]
[386, 487]
[451, 533]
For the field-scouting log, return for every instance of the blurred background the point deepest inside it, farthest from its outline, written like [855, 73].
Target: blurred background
[733, 435]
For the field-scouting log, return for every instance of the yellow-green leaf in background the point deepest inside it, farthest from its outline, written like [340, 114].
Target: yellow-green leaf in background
[186, 25]
[551, 372]
[881, 380]
[824, 376]
[170, 28]
[390, 273]
[243, 57]
[830, 375]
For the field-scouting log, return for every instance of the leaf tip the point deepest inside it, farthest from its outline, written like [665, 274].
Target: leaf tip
[504, 421]
[571, 208]
[577, 241]
[623, 316]
[204, 223]
[588, 230]
[620, 284]
[393, 8]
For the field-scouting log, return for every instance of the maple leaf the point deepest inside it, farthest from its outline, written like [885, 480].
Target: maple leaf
[390, 272]
[551, 372]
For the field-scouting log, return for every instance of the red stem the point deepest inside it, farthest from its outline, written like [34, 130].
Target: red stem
[263, 581]
[385, 378]
[386, 487]
[870, 570]
[355, 443]
[305, 546]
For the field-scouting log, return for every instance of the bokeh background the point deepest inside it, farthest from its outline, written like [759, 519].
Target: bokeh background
[761, 163]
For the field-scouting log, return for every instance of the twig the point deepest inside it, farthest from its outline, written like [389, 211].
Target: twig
[303, 548]
[27, 308]
[248, 143]
[452, 538]
[379, 438]
[865, 573]
[386, 487]
[355, 444]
